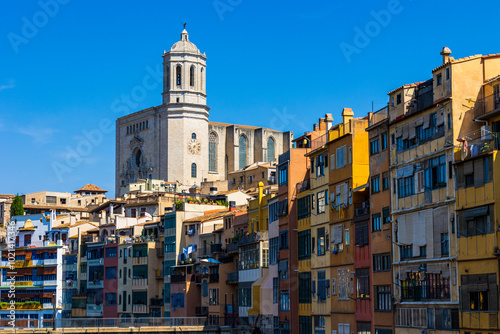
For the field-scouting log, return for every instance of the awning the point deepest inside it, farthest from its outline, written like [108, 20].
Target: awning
[472, 213]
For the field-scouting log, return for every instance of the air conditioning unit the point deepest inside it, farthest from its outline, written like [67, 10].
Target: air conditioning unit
[485, 132]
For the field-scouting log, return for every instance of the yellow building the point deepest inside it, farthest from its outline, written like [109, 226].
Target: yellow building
[348, 169]
[478, 189]
[426, 118]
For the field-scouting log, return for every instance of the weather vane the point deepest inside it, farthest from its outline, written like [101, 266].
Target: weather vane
[184, 26]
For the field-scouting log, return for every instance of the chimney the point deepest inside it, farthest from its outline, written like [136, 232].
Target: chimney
[328, 121]
[316, 127]
[232, 205]
[446, 52]
[347, 115]
[321, 124]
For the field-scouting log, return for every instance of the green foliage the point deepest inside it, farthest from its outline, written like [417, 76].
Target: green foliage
[17, 209]
[179, 205]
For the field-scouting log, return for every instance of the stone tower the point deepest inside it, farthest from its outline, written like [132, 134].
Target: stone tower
[185, 99]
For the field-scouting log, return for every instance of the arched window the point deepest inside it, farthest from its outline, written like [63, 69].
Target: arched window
[191, 76]
[193, 135]
[243, 152]
[202, 79]
[212, 152]
[193, 170]
[138, 158]
[168, 77]
[270, 149]
[178, 74]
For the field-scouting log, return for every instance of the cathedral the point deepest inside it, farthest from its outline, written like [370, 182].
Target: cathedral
[176, 142]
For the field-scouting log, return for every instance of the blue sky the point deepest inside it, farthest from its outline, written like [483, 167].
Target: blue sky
[277, 64]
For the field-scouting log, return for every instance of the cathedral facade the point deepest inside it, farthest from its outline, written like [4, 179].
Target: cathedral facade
[176, 142]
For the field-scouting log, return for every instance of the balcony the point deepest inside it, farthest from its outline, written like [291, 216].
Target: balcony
[487, 107]
[94, 310]
[320, 141]
[93, 262]
[47, 305]
[139, 309]
[232, 247]
[78, 312]
[362, 209]
[272, 180]
[97, 283]
[160, 251]
[156, 302]
[232, 278]
[49, 262]
[378, 116]
[140, 283]
[253, 237]
[302, 186]
[141, 260]
[183, 278]
[478, 144]
[216, 248]
[83, 276]
[201, 311]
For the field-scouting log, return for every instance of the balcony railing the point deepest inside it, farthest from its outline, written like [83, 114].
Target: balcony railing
[201, 311]
[216, 248]
[302, 186]
[419, 293]
[139, 309]
[141, 283]
[320, 141]
[83, 276]
[156, 302]
[141, 260]
[490, 105]
[232, 247]
[477, 144]
[232, 278]
[253, 237]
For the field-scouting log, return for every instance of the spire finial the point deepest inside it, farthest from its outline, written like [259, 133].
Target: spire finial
[184, 25]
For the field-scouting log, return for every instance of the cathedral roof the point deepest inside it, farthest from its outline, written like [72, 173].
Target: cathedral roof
[184, 45]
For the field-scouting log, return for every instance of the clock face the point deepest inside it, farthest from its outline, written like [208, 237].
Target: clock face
[194, 146]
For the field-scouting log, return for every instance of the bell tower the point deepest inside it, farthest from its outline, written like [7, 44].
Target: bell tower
[186, 113]
[184, 73]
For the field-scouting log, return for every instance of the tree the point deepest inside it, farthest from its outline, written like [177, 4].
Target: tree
[16, 208]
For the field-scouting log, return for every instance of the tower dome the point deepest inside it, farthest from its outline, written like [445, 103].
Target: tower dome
[184, 45]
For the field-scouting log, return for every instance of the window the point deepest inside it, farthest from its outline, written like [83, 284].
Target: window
[375, 184]
[439, 79]
[347, 237]
[249, 256]
[323, 286]
[283, 270]
[406, 186]
[475, 221]
[341, 156]
[284, 300]
[385, 180]
[386, 215]
[51, 200]
[245, 295]
[445, 249]
[321, 202]
[270, 149]
[363, 283]
[321, 241]
[343, 279]
[319, 324]
[242, 152]
[111, 252]
[191, 76]
[449, 121]
[304, 245]
[304, 207]
[383, 298]
[435, 173]
[304, 288]
[361, 234]
[110, 272]
[178, 74]
[425, 286]
[398, 99]
[110, 298]
[283, 240]
[305, 324]
[193, 170]
[273, 251]
[406, 252]
[193, 135]
[374, 146]
[283, 175]
[423, 251]
[384, 141]
[376, 222]
[276, 290]
[476, 173]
